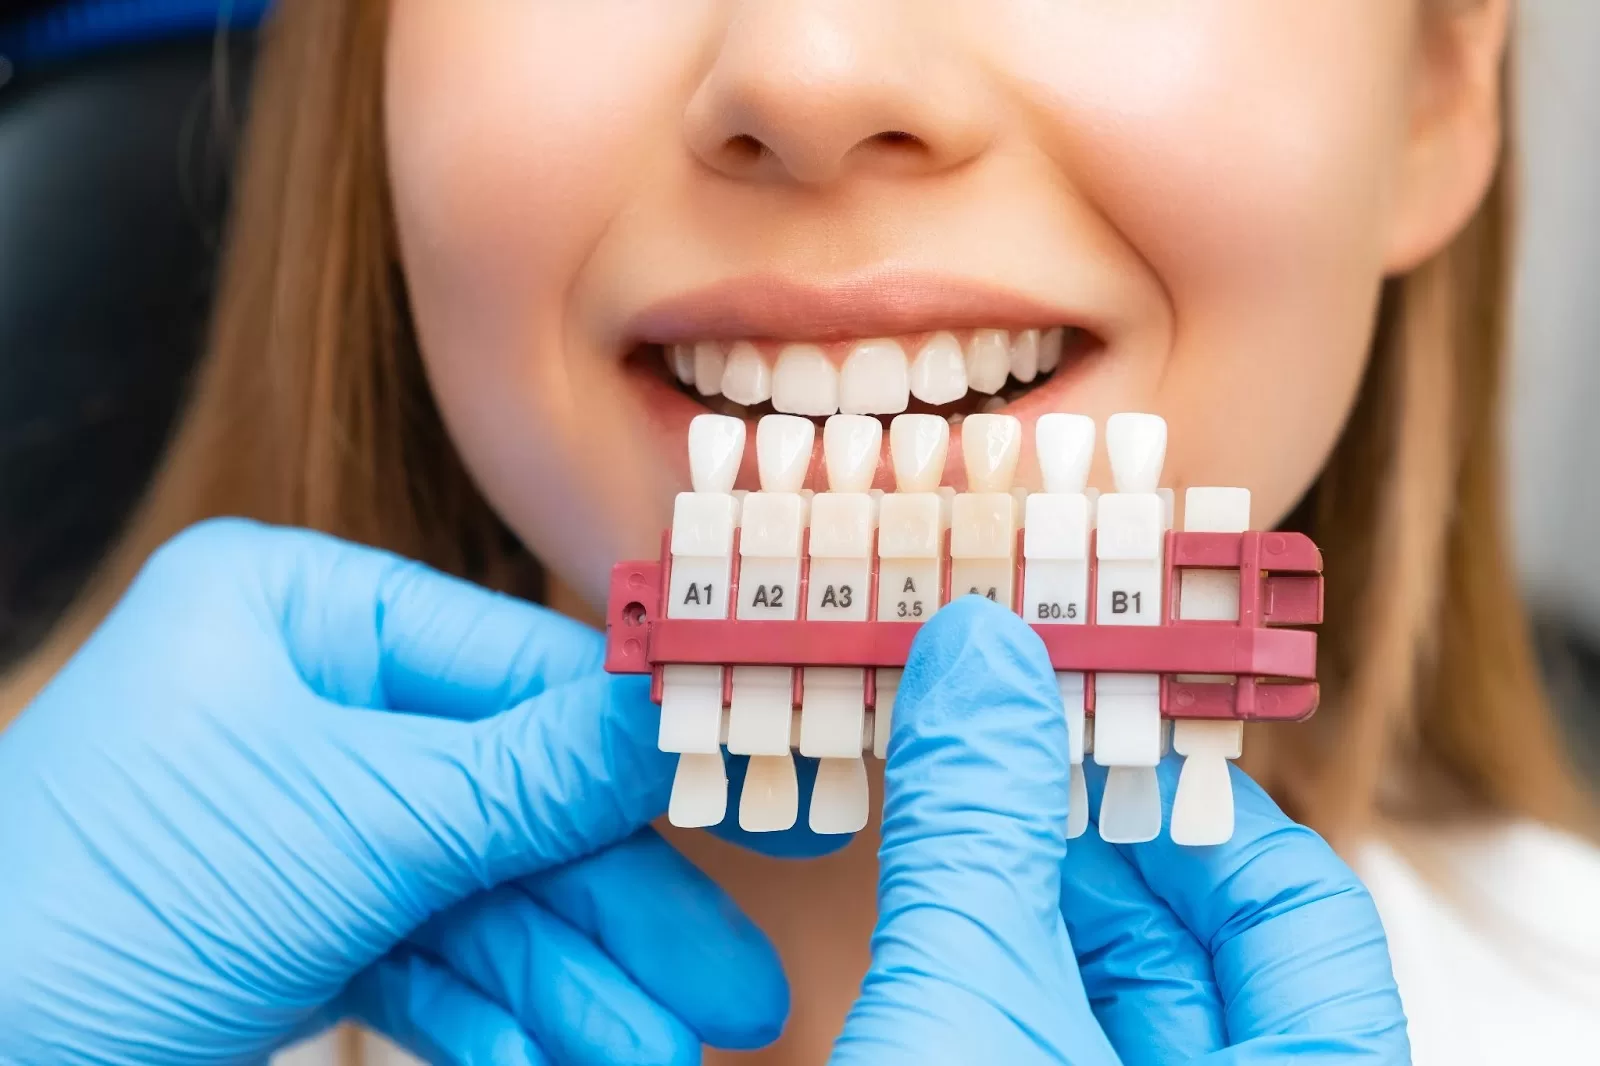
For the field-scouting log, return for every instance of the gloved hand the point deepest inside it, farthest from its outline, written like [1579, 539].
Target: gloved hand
[997, 941]
[291, 780]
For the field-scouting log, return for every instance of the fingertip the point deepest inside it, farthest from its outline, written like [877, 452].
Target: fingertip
[572, 770]
[979, 693]
[977, 619]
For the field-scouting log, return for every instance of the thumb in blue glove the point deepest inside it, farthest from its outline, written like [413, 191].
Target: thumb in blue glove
[971, 960]
[996, 943]
[292, 780]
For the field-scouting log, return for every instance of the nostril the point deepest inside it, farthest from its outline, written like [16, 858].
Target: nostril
[745, 148]
[899, 139]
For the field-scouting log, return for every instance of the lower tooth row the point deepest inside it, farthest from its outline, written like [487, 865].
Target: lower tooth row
[877, 378]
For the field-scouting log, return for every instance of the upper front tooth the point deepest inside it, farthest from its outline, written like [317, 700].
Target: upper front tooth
[1050, 344]
[939, 374]
[708, 366]
[1025, 355]
[682, 361]
[988, 360]
[918, 445]
[804, 382]
[746, 379]
[875, 380]
[851, 445]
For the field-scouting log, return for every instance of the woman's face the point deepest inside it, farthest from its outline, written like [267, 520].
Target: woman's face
[1198, 198]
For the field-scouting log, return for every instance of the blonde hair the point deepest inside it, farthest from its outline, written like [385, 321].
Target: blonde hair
[311, 409]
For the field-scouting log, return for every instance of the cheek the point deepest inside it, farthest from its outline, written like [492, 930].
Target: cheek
[512, 139]
[511, 149]
[1249, 157]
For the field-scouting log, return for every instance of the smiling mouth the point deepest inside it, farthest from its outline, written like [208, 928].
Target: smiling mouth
[951, 373]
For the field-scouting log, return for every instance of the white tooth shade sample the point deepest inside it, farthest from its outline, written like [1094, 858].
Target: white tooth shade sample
[911, 527]
[983, 521]
[805, 382]
[702, 562]
[1128, 735]
[1202, 809]
[875, 379]
[1137, 446]
[833, 704]
[772, 529]
[1055, 573]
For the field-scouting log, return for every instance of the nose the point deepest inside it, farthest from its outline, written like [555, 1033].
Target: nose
[812, 91]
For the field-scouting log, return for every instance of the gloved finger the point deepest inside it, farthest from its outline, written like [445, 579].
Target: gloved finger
[650, 975]
[1297, 947]
[450, 808]
[370, 629]
[970, 959]
[555, 981]
[1148, 979]
[683, 940]
[426, 1010]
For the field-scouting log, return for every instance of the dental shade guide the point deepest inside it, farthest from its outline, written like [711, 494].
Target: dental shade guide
[1155, 635]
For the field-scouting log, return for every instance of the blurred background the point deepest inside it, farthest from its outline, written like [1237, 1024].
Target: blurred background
[118, 122]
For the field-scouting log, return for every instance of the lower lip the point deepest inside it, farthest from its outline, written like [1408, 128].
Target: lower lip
[671, 410]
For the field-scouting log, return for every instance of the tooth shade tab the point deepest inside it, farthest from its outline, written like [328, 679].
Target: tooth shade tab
[783, 452]
[747, 379]
[875, 379]
[1065, 444]
[716, 445]
[991, 444]
[919, 446]
[851, 445]
[1137, 445]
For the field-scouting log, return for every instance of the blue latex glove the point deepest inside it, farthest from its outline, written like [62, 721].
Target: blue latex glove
[291, 780]
[996, 942]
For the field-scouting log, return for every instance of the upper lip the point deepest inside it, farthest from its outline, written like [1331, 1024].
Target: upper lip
[878, 304]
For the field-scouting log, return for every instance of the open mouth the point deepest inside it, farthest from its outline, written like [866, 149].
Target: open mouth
[951, 373]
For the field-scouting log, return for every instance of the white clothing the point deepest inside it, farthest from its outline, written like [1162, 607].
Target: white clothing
[1502, 965]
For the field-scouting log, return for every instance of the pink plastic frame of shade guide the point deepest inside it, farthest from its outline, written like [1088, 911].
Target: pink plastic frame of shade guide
[1274, 661]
